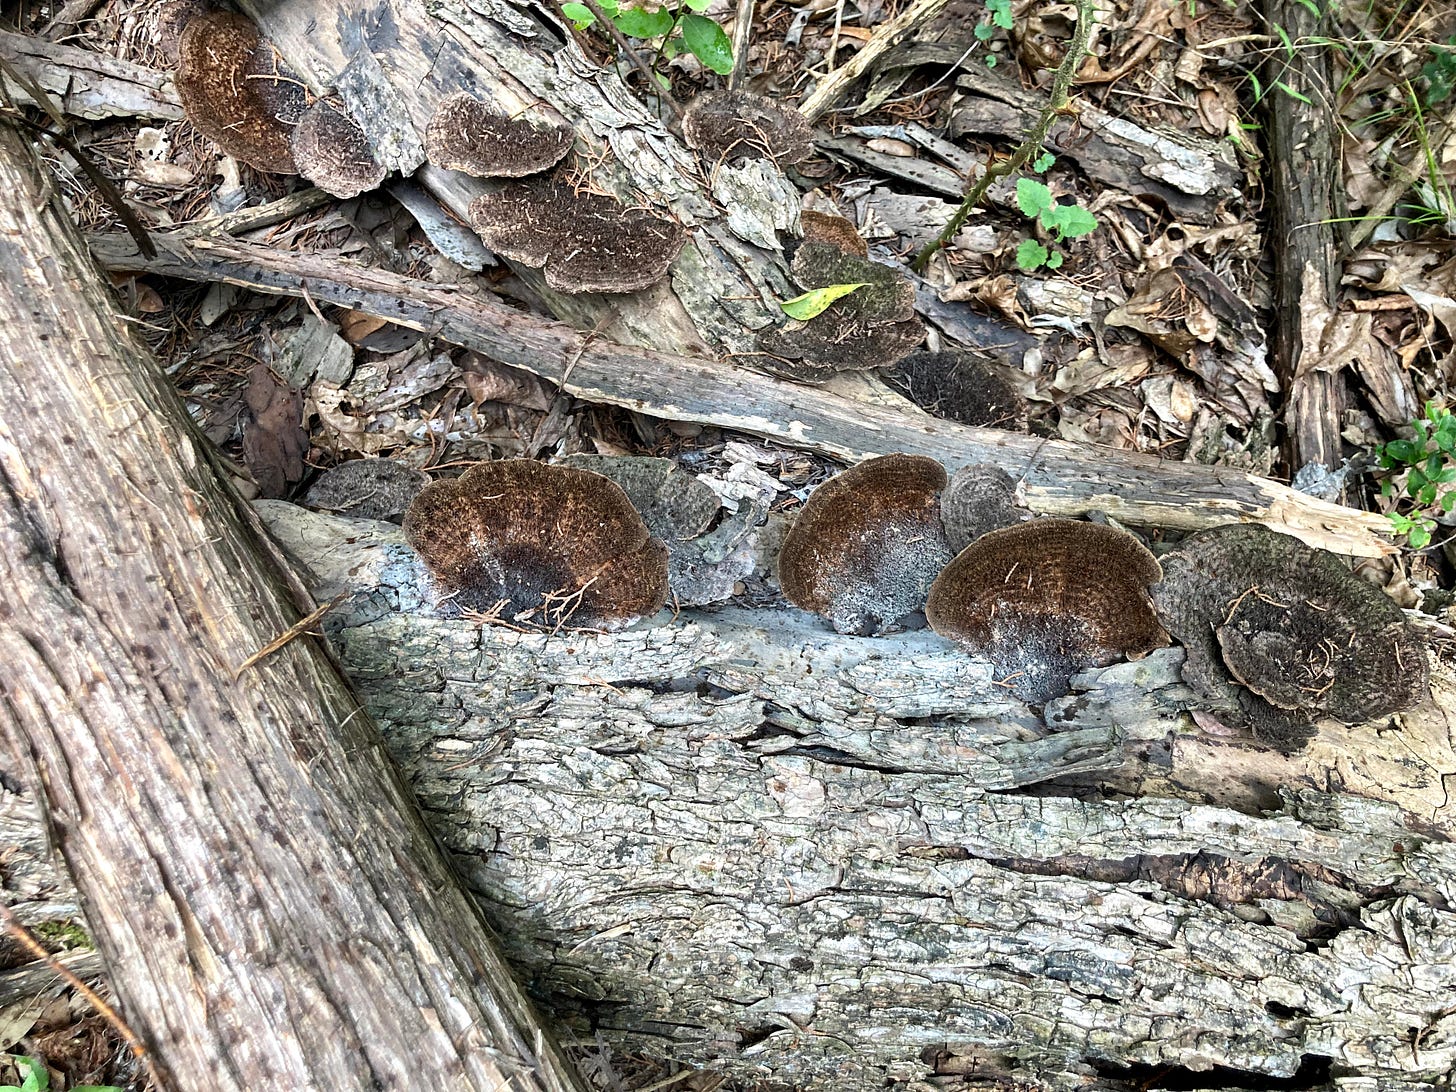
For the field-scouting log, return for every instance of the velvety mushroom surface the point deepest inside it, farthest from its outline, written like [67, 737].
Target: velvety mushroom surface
[1045, 599]
[831, 230]
[872, 327]
[333, 153]
[584, 241]
[556, 545]
[979, 498]
[233, 93]
[867, 544]
[962, 386]
[1280, 635]
[466, 134]
[732, 125]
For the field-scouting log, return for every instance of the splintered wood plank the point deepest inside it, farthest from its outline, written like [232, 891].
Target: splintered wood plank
[1057, 477]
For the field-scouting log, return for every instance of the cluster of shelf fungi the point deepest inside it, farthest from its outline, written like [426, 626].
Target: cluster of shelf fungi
[1278, 635]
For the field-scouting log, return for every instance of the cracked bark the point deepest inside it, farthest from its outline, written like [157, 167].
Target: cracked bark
[250, 866]
[742, 841]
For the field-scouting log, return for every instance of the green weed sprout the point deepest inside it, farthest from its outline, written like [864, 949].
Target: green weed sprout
[1036, 202]
[674, 27]
[36, 1078]
[998, 14]
[1428, 465]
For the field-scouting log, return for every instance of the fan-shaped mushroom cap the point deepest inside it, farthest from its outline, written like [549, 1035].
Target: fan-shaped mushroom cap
[1045, 599]
[586, 242]
[232, 93]
[832, 230]
[562, 543]
[468, 135]
[872, 327]
[867, 544]
[729, 125]
[1284, 634]
[333, 153]
[963, 386]
[980, 498]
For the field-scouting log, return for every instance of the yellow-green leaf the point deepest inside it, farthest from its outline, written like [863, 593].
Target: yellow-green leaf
[814, 302]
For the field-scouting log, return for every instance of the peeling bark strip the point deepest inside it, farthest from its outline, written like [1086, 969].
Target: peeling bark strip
[741, 840]
[1059, 478]
[259, 882]
[1305, 202]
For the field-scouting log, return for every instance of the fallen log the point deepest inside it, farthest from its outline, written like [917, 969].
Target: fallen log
[1057, 477]
[740, 840]
[260, 884]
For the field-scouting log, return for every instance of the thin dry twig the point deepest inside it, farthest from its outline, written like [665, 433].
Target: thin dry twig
[298, 629]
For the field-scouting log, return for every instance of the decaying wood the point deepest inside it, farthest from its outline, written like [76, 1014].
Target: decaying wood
[86, 84]
[255, 875]
[891, 34]
[393, 61]
[1057, 477]
[741, 840]
[1305, 206]
[1193, 177]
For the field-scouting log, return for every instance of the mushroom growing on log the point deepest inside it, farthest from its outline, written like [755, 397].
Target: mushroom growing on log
[867, 544]
[1045, 599]
[546, 544]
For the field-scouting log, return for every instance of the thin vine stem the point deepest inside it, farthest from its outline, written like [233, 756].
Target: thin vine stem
[1056, 104]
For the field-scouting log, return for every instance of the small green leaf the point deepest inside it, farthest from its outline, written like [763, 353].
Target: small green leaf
[708, 42]
[990, 60]
[580, 15]
[1000, 13]
[1043, 163]
[984, 32]
[1054, 260]
[640, 23]
[1070, 221]
[1284, 37]
[813, 302]
[1420, 536]
[697, 5]
[1032, 196]
[1031, 255]
[1292, 93]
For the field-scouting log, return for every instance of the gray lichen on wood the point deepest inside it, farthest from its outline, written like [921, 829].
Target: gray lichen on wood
[740, 840]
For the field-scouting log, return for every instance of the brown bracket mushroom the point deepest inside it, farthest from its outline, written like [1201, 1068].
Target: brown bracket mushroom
[333, 153]
[963, 386]
[979, 499]
[585, 242]
[468, 135]
[1046, 599]
[731, 125]
[1280, 635]
[867, 544]
[555, 545]
[832, 230]
[234, 94]
[872, 327]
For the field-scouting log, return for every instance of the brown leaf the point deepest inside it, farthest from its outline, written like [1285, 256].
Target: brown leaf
[274, 441]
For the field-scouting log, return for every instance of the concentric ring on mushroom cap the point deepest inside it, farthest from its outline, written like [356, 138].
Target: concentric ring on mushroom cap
[466, 134]
[536, 535]
[232, 94]
[333, 153]
[867, 544]
[1045, 599]
[1280, 633]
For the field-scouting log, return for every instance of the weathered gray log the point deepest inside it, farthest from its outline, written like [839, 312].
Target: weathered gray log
[743, 841]
[391, 62]
[86, 84]
[1057, 477]
[1306, 203]
[250, 866]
